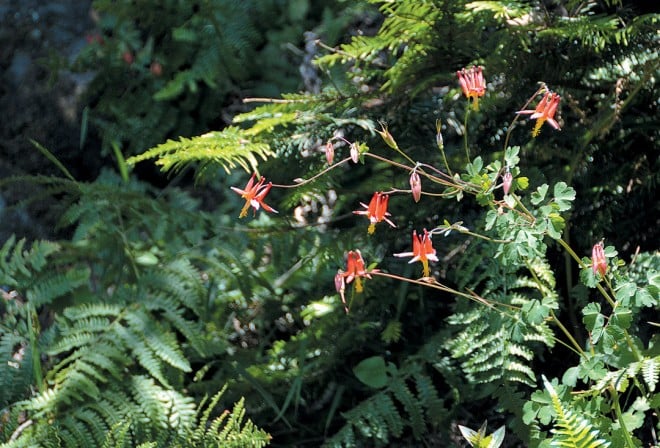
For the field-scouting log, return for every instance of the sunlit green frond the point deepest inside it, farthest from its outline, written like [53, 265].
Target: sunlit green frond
[571, 430]
[229, 148]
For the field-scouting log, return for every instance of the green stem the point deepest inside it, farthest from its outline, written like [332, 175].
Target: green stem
[561, 326]
[444, 159]
[36, 356]
[528, 215]
[619, 416]
[430, 282]
[314, 177]
[465, 135]
[567, 333]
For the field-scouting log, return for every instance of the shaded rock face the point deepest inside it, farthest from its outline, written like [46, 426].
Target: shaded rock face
[39, 101]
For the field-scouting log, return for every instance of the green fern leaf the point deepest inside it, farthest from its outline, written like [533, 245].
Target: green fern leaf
[230, 148]
[571, 430]
[411, 405]
[651, 372]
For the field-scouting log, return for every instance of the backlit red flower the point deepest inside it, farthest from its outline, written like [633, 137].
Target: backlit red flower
[598, 260]
[254, 195]
[422, 251]
[355, 270]
[376, 211]
[473, 84]
[545, 111]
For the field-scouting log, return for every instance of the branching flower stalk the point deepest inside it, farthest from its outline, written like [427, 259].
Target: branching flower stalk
[432, 283]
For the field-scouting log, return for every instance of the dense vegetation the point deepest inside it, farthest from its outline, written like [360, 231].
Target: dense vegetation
[190, 315]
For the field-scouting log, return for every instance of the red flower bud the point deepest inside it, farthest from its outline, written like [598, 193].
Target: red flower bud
[507, 179]
[156, 68]
[598, 260]
[416, 186]
[329, 152]
[128, 58]
[355, 152]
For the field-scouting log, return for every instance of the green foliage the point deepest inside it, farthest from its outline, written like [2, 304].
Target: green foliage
[228, 148]
[154, 304]
[168, 69]
[572, 430]
[128, 320]
[506, 263]
[407, 399]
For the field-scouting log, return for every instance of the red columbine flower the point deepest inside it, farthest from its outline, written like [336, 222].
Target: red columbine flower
[545, 111]
[376, 211]
[254, 195]
[355, 270]
[473, 84]
[598, 260]
[422, 251]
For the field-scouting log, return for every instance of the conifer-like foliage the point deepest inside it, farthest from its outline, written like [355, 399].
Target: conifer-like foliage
[160, 299]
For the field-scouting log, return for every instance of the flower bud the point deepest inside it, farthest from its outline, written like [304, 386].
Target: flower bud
[329, 152]
[355, 152]
[598, 260]
[438, 136]
[128, 57]
[416, 186]
[340, 283]
[156, 68]
[387, 137]
[507, 179]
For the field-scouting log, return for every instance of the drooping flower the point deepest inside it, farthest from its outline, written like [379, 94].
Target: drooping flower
[416, 186]
[254, 195]
[473, 84]
[329, 152]
[507, 180]
[355, 152]
[545, 111]
[355, 270]
[376, 211]
[598, 260]
[422, 251]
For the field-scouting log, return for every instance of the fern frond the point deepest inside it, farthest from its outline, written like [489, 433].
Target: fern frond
[229, 148]
[428, 396]
[52, 285]
[15, 261]
[411, 405]
[620, 379]
[571, 430]
[651, 372]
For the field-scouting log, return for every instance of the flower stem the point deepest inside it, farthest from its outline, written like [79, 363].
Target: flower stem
[314, 177]
[465, 135]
